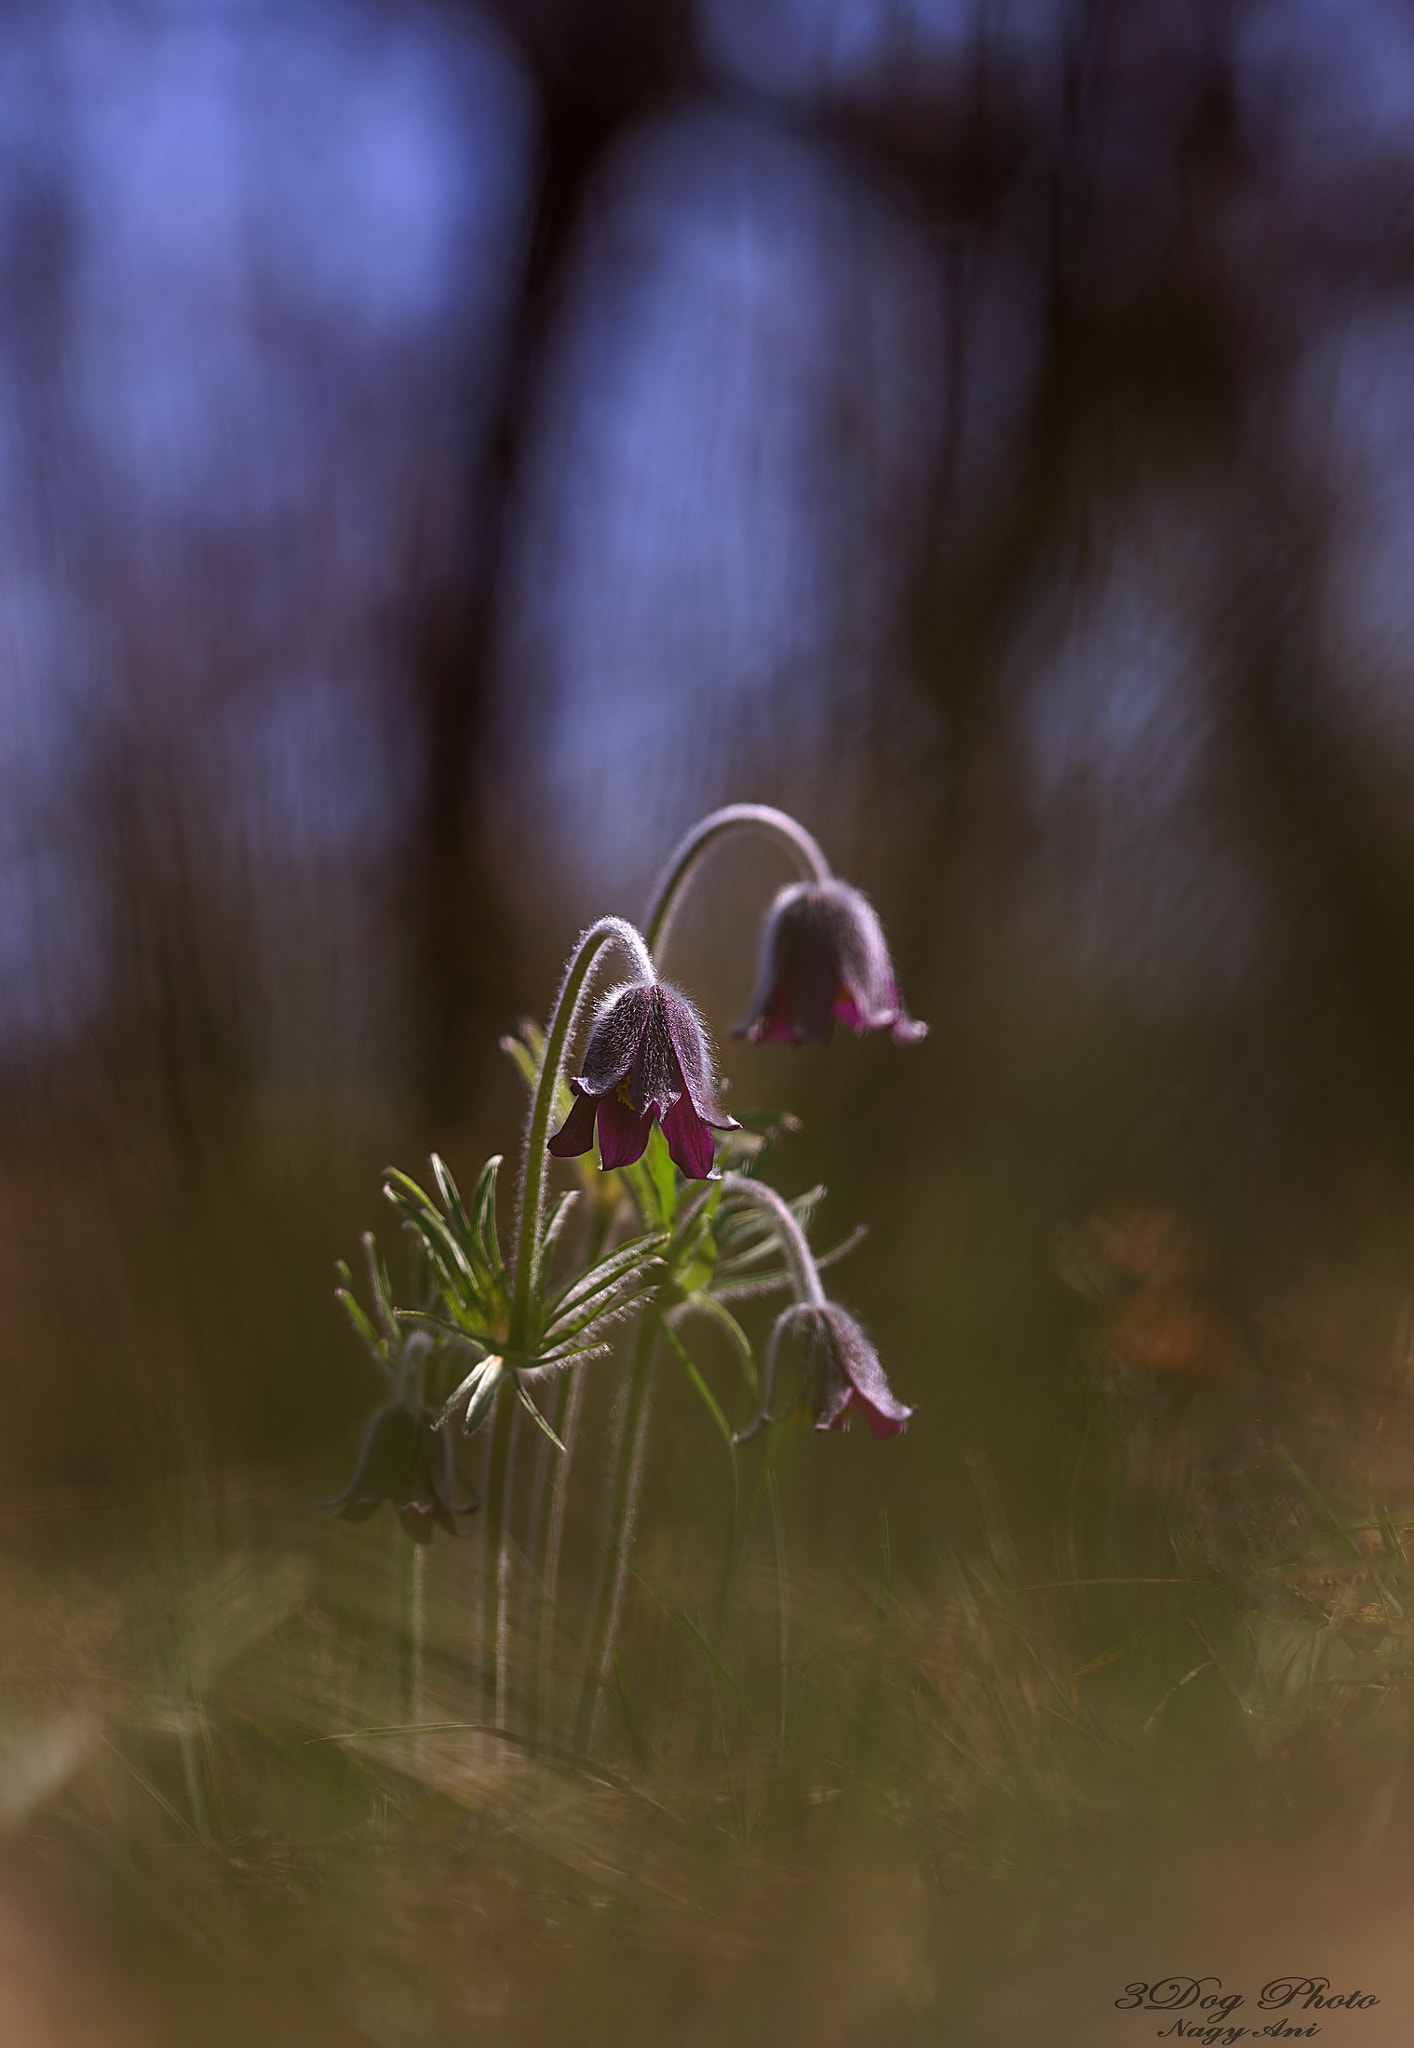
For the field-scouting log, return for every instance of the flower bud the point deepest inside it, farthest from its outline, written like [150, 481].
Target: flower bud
[824, 958]
[406, 1460]
[647, 1062]
[843, 1373]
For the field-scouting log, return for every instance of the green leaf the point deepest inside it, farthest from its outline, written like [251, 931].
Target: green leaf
[554, 1224]
[378, 1281]
[530, 1408]
[705, 1395]
[711, 1307]
[483, 1400]
[376, 1344]
[460, 1269]
[701, 1262]
[663, 1175]
[451, 1197]
[613, 1302]
[620, 1260]
[526, 1063]
[483, 1221]
[460, 1331]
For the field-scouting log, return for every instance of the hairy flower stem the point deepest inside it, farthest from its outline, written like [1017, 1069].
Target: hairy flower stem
[553, 1479]
[548, 1532]
[493, 1663]
[623, 1508]
[534, 1158]
[683, 861]
[795, 1246]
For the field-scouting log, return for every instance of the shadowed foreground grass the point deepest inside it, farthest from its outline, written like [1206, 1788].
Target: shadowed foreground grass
[971, 1808]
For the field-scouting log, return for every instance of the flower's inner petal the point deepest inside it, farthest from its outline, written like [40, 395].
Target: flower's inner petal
[890, 1419]
[689, 1141]
[848, 1011]
[416, 1519]
[576, 1133]
[623, 1130]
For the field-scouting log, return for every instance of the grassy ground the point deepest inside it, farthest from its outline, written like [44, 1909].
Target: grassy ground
[971, 1799]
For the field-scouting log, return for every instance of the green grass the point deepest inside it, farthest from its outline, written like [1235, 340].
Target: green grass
[206, 1754]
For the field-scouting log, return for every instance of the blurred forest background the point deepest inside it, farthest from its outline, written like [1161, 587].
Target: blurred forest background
[444, 448]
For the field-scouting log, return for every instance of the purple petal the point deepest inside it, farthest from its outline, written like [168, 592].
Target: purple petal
[849, 1011]
[617, 1035]
[655, 1079]
[576, 1133]
[689, 1141]
[623, 1132]
[886, 1416]
[416, 1518]
[693, 1058]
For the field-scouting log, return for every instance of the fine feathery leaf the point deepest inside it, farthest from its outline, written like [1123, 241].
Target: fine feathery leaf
[376, 1346]
[464, 1390]
[462, 1273]
[382, 1289]
[609, 1306]
[539, 1420]
[704, 1394]
[483, 1221]
[711, 1306]
[460, 1331]
[525, 1061]
[555, 1223]
[621, 1260]
[560, 1358]
[451, 1197]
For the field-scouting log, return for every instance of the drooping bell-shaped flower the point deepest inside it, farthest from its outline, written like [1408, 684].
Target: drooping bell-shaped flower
[407, 1460]
[824, 959]
[843, 1373]
[647, 1062]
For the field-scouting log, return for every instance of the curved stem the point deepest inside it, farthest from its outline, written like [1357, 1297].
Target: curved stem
[682, 862]
[794, 1243]
[563, 1017]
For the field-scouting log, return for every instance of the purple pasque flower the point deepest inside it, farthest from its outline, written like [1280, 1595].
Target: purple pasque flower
[407, 1459]
[647, 1062]
[843, 1373]
[824, 958]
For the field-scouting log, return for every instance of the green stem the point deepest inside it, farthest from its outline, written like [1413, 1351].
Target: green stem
[548, 1528]
[623, 1500]
[778, 1545]
[795, 1245]
[534, 1158]
[493, 1676]
[682, 862]
[402, 1606]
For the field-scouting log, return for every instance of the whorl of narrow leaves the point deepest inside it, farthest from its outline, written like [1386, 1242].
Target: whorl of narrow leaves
[567, 1321]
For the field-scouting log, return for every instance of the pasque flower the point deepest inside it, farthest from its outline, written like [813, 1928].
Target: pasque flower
[647, 1062]
[843, 1374]
[407, 1460]
[824, 958]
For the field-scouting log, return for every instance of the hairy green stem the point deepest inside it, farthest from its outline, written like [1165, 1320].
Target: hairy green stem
[683, 861]
[623, 1503]
[493, 1674]
[548, 1517]
[805, 1276]
[563, 1017]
